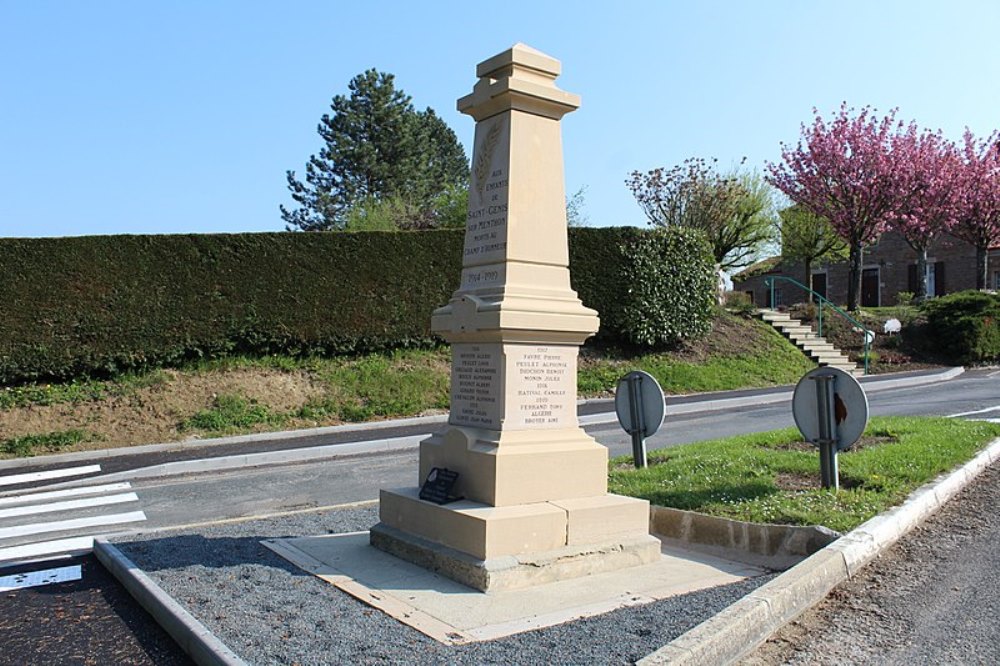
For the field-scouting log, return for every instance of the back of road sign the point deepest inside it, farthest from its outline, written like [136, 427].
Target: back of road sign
[650, 404]
[849, 408]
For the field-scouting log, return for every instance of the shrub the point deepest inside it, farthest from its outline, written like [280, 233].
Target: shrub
[671, 280]
[965, 326]
[904, 298]
[738, 302]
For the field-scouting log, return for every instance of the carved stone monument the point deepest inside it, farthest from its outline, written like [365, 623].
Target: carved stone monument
[533, 484]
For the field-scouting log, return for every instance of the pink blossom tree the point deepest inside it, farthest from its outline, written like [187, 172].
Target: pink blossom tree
[843, 171]
[978, 218]
[927, 170]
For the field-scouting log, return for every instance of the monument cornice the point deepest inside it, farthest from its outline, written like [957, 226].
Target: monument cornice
[509, 94]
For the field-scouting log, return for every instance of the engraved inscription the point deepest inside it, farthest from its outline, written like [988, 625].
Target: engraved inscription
[488, 275]
[545, 380]
[475, 386]
[486, 228]
[486, 219]
[484, 155]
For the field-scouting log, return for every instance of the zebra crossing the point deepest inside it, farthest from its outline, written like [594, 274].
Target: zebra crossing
[37, 522]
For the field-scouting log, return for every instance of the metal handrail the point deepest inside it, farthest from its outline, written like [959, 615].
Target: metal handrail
[821, 300]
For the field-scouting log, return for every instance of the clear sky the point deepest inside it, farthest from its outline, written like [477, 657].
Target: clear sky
[183, 116]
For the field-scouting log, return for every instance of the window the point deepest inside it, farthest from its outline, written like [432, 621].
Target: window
[996, 280]
[935, 278]
[819, 284]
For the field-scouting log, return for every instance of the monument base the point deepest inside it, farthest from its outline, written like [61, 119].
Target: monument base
[516, 571]
[501, 548]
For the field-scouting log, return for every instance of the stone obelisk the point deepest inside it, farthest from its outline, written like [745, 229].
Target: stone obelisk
[533, 484]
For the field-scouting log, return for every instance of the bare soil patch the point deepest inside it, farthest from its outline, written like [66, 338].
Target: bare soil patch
[797, 446]
[863, 443]
[787, 481]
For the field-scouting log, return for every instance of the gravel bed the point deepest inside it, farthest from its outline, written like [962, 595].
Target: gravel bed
[270, 612]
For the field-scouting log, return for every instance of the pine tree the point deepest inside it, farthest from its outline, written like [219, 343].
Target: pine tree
[376, 147]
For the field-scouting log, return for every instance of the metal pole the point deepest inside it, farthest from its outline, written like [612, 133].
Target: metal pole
[829, 474]
[638, 426]
[867, 348]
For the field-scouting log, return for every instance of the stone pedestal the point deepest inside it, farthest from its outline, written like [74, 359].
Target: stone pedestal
[535, 506]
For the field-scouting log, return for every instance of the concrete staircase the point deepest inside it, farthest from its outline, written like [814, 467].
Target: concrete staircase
[813, 346]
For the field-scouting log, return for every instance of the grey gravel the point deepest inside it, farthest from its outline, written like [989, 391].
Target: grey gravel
[931, 599]
[270, 612]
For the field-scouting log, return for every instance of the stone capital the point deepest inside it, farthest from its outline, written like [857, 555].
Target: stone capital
[520, 79]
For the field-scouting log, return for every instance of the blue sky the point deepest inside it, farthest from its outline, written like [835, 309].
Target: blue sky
[180, 117]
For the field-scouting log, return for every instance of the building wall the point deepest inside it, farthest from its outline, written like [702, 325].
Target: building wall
[895, 262]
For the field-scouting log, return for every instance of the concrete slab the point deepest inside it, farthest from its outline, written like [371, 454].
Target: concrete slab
[453, 613]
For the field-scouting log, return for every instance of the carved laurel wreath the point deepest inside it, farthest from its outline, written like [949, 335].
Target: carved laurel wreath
[484, 156]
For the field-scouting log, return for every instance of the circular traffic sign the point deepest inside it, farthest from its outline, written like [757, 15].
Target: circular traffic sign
[849, 406]
[650, 403]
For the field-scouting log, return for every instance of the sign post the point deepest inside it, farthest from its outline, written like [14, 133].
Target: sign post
[831, 411]
[640, 406]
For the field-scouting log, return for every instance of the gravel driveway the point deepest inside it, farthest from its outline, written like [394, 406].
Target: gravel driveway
[269, 612]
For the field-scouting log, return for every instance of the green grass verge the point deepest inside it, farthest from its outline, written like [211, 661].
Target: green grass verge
[77, 391]
[773, 362]
[773, 477]
[232, 413]
[404, 382]
[360, 388]
[51, 442]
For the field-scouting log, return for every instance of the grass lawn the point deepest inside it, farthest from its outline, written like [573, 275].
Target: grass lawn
[773, 477]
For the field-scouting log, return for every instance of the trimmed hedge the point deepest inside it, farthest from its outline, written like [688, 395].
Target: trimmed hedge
[651, 288]
[965, 326]
[99, 305]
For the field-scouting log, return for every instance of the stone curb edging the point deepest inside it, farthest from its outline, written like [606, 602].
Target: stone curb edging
[191, 635]
[776, 547]
[744, 625]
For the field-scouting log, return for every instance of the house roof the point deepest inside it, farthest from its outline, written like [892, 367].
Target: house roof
[763, 266]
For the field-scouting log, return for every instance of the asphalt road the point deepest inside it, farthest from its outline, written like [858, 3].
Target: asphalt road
[931, 599]
[89, 620]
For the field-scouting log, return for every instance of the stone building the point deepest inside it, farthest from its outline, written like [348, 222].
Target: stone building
[890, 266]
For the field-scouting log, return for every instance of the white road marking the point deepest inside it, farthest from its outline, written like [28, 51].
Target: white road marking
[74, 524]
[50, 474]
[978, 411]
[69, 492]
[37, 578]
[67, 505]
[597, 419]
[47, 548]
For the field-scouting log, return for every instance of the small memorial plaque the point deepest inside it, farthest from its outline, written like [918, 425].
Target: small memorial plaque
[437, 487]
